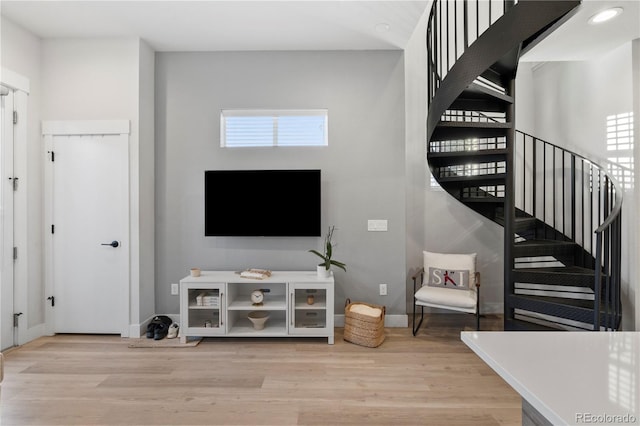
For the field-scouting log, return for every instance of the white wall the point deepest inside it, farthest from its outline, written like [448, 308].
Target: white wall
[362, 168]
[103, 79]
[417, 170]
[583, 94]
[21, 53]
[146, 184]
[435, 220]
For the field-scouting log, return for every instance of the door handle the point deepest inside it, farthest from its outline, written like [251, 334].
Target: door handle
[113, 244]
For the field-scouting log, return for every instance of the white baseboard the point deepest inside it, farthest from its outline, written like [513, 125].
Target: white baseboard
[389, 320]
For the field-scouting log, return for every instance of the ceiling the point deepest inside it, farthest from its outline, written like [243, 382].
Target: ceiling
[210, 25]
[577, 40]
[227, 25]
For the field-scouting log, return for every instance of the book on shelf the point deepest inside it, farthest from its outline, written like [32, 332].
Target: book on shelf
[207, 299]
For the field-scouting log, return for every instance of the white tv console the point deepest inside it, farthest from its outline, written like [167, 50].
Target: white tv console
[217, 304]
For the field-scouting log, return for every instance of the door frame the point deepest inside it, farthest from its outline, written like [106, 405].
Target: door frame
[21, 88]
[7, 281]
[75, 128]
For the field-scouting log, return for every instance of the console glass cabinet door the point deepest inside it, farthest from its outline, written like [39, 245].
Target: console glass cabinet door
[308, 308]
[204, 305]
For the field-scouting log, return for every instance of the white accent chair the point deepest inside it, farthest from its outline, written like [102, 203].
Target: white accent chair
[437, 292]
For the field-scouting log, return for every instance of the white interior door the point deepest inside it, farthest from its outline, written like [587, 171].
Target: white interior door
[90, 233]
[6, 222]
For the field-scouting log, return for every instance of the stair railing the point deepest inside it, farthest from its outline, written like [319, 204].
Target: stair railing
[452, 27]
[579, 201]
[574, 198]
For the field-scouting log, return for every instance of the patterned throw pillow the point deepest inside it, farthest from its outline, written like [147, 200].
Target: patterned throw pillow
[448, 278]
[449, 270]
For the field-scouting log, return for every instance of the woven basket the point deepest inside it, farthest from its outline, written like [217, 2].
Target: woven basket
[362, 329]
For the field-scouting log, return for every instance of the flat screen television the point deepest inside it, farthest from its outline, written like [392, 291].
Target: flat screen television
[265, 203]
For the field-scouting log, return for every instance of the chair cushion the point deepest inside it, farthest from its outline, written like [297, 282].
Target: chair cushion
[450, 271]
[447, 297]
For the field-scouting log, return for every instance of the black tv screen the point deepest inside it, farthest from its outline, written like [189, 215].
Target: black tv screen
[265, 203]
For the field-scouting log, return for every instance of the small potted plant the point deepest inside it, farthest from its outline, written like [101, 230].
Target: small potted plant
[325, 266]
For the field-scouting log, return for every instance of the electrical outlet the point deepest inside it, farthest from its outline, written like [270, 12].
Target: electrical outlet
[175, 289]
[383, 289]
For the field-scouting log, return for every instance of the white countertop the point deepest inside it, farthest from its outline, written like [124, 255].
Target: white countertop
[569, 377]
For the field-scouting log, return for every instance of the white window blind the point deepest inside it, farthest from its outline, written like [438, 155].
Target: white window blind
[265, 128]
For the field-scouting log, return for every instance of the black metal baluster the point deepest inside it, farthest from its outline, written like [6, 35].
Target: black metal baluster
[466, 24]
[448, 32]
[534, 180]
[564, 187]
[455, 31]
[554, 194]
[544, 189]
[477, 19]
[573, 198]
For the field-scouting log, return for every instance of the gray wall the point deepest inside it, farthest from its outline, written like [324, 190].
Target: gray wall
[362, 168]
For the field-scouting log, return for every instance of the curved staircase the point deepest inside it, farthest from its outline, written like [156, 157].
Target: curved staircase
[560, 211]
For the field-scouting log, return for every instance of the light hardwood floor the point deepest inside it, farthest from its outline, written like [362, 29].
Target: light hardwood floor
[431, 379]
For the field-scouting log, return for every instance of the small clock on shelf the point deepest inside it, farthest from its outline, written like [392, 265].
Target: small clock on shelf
[257, 297]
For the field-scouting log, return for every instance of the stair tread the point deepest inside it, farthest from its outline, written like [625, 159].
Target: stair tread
[478, 153]
[475, 125]
[482, 200]
[572, 303]
[519, 220]
[496, 177]
[567, 270]
[478, 91]
[542, 242]
[520, 325]
[440, 159]
[568, 276]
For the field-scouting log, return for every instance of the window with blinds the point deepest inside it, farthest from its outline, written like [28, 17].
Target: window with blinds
[268, 128]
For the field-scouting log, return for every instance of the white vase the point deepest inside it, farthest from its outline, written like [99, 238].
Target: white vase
[323, 272]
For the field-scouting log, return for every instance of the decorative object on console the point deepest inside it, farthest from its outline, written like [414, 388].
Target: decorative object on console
[255, 274]
[324, 267]
[195, 272]
[258, 318]
[257, 296]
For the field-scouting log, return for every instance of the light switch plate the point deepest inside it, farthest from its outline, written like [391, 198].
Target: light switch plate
[175, 289]
[377, 225]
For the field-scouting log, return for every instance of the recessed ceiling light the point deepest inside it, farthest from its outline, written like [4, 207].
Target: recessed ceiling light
[605, 15]
[383, 27]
